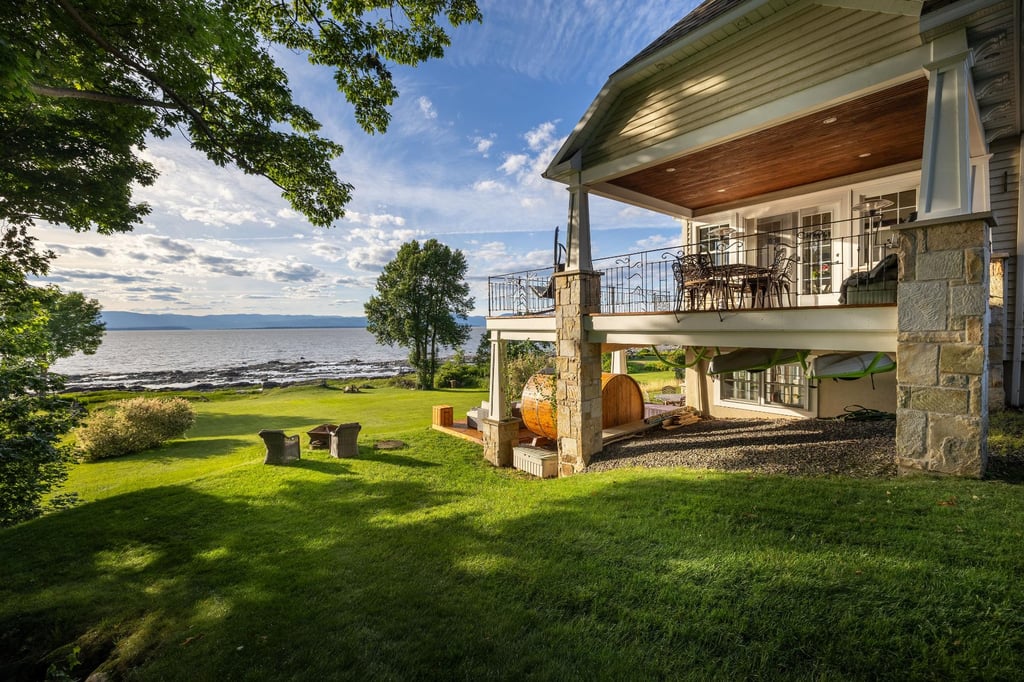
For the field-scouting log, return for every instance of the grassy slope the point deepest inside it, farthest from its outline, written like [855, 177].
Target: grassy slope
[197, 561]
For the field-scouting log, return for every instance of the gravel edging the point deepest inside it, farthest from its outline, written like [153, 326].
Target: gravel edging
[798, 447]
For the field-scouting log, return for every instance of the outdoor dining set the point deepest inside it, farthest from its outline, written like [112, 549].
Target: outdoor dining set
[702, 284]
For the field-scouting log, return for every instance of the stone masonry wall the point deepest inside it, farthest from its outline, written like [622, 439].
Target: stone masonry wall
[578, 393]
[942, 353]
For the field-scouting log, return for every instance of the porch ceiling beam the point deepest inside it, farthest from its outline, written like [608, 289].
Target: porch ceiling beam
[889, 72]
[626, 196]
[523, 328]
[818, 329]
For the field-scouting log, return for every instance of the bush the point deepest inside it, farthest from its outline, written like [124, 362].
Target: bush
[133, 426]
[458, 370]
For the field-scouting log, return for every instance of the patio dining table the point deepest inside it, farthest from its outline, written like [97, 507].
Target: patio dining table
[743, 276]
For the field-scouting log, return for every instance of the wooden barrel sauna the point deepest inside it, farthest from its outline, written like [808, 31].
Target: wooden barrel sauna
[622, 402]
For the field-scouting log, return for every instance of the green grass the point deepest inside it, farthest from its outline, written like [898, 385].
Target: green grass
[194, 561]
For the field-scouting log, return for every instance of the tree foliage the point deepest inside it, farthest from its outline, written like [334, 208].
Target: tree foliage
[84, 82]
[38, 325]
[421, 295]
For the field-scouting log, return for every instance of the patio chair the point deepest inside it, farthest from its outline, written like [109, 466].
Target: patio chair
[779, 278]
[694, 280]
[558, 266]
[281, 449]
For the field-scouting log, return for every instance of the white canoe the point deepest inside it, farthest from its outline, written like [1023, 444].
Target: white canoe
[754, 359]
[851, 365]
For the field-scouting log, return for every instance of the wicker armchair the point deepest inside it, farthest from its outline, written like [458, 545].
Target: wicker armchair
[281, 449]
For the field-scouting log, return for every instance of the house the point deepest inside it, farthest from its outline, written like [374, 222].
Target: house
[803, 145]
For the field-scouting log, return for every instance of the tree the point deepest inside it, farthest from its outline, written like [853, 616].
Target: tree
[84, 82]
[38, 325]
[420, 296]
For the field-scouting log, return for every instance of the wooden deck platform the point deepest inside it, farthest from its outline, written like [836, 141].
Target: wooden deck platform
[462, 430]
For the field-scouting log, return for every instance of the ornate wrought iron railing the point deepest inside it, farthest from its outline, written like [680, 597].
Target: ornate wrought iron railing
[824, 264]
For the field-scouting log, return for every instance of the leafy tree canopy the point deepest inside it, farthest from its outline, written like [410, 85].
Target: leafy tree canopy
[38, 325]
[421, 295]
[84, 82]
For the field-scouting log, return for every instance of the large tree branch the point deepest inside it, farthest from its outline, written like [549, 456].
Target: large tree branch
[91, 95]
[182, 104]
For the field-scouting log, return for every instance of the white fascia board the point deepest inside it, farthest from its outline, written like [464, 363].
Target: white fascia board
[907, 8]
[840, 329]
[627, 196]
[624, 77]
[524, 328]
[561, 164]
[892, 71]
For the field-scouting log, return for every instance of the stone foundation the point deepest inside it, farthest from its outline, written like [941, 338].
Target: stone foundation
[942, 358]
[499, 439]
[578, 393]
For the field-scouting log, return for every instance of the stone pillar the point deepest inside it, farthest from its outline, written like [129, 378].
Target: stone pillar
[578, 393]
[499, 439]
[942, 351]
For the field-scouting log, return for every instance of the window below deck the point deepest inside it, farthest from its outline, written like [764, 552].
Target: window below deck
[783, 389]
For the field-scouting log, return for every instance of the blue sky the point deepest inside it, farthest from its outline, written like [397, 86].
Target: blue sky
[461, 162]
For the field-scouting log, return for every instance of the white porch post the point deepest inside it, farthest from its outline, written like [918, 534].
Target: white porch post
[500, 431]
[619, 362]
[577, 239]
[496, 388]
[946, 187]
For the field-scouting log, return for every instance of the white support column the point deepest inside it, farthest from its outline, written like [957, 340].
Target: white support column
[496, 391]
[577, 239]
[946, 158]
[619, 362]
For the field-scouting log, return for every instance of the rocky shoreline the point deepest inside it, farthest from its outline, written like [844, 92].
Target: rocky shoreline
[266, 375]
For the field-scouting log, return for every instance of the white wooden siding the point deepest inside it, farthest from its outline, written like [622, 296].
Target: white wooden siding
[1005, 205]
[772, 59]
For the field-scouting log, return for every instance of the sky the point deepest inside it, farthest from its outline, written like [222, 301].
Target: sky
[461, 162]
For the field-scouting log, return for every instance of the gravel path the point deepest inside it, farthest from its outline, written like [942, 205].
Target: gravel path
[806, 447]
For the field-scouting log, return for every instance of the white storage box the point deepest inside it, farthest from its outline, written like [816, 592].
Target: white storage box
[542, 463]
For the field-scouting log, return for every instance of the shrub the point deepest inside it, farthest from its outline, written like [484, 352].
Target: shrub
[458, 370]
[133, 426]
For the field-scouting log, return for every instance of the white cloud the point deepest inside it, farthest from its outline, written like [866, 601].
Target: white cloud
[514, 163]
[373, 249]
[374, 220]
[483, 144]
[427, 107]
[489, 186]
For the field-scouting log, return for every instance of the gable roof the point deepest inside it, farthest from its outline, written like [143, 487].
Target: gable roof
[703, 14]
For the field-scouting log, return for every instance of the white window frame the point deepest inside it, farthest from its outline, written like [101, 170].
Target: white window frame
[810, 410]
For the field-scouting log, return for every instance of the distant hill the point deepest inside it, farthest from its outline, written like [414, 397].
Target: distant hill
[120, 320]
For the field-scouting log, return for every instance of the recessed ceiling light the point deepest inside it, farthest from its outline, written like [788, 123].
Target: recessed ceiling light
[670, 170]
[864, 155]
[830, 120]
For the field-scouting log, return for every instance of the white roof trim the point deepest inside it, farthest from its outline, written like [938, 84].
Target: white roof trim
[621, 78]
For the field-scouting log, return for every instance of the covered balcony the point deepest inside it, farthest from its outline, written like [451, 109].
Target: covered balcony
[832, 282]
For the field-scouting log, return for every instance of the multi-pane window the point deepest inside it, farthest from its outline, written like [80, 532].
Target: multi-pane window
[719, 241]
[877, 236]
[816, 253]
[780, 386]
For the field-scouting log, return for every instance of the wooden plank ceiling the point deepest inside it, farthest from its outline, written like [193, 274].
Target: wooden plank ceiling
[886, 126]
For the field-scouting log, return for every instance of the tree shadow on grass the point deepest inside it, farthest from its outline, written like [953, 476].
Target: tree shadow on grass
[389, 457]
[654, 577]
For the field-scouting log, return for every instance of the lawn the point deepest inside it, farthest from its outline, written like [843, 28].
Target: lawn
[195, 561]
